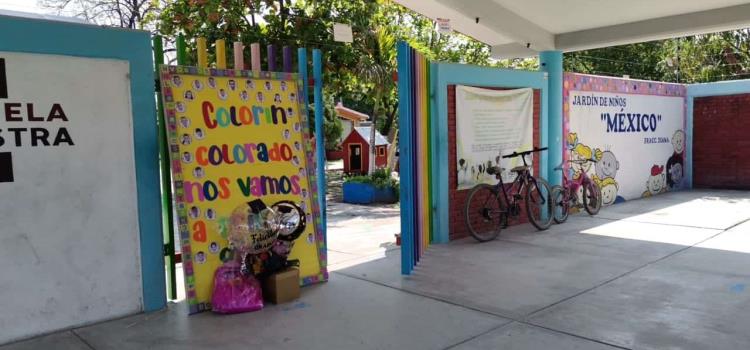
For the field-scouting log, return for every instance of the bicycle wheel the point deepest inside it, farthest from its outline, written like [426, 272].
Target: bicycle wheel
[484, 212]
[539, 203]
[560, 204]
[592, 198]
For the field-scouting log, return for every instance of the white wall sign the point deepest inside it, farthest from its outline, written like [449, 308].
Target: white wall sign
[491, 123]
[443, 25]
[637, 140]
[342, 33]
[69, 238]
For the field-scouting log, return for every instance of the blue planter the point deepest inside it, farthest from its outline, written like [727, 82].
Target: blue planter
[359, 193]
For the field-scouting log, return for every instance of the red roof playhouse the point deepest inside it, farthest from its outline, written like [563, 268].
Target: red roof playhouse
[356, 151]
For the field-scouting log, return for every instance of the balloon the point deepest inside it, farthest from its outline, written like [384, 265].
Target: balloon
[253, 227]
[292, 221]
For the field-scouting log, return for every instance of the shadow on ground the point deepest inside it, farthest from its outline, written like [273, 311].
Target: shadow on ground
[667, 272]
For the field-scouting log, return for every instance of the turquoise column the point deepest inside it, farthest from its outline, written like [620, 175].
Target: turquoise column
[551, 62]
[320, 152]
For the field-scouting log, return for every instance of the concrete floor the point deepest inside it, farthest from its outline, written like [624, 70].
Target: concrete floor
[670, 272]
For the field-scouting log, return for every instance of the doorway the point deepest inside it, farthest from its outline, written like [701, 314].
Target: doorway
[355, 157]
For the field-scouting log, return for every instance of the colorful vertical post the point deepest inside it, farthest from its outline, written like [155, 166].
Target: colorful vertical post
[221, 54]
[239, 59]
[166, 185]
[181, 50]
[202, 52]
[405, 138]
[319, 137]
[271, 53]
[255, 57]
[287, 58]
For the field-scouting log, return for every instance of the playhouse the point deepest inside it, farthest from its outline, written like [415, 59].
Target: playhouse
[356, 150]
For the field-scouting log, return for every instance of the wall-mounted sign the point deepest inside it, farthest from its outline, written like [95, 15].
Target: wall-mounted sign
[490, 124]
[239, 143]
[444, 25]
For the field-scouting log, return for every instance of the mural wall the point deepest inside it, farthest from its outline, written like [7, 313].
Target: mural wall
[70, 239]
[632, 130]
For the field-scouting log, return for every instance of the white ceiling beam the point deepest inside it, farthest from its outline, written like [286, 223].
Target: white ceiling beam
[512, 50]
[717, 20]
[504, 22]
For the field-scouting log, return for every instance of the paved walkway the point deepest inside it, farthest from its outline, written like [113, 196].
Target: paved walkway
[667, 272]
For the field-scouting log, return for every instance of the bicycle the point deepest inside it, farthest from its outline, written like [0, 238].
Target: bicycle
[566, 195]
[488, 207]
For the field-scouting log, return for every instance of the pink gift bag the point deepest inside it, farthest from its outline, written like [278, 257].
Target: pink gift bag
[234, 293]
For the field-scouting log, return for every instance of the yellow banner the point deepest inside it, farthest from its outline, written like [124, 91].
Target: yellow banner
[237, 137]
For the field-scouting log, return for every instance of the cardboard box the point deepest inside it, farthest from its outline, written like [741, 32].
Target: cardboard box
[282, 287]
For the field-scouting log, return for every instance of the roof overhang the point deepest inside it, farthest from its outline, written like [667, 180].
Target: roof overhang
[523, 28]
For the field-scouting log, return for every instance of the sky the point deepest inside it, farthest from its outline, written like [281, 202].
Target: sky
[22, 5]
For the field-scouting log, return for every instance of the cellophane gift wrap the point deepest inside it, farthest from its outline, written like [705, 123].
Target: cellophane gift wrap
[235, 293]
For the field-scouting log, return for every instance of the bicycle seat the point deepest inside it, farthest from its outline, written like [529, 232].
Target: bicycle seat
[520, 169]
[495, 170]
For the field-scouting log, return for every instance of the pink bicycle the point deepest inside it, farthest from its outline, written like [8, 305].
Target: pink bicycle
[566, 196]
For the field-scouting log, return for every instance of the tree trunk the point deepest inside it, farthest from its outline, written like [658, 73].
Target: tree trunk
[373, 130]
[389, 121]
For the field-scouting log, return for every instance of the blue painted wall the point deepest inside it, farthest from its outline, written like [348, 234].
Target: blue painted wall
[445, 74]
[61, 38]
[703, 90]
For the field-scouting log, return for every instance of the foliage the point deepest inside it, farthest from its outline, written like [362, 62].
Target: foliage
[694, 59]
[360, 74]
[133, 14]
[380, 178]
[332, 126]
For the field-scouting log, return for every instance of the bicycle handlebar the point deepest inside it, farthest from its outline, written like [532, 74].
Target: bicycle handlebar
[518, 154]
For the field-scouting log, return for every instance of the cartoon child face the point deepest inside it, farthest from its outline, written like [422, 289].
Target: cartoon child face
[185, 122]
[607, 165]
[249, 84]
[232, 85]
[678, 141]
[609, 192]
[177, 80]
[580, 152]
[200, 257]
[211, 82]
[676, 173]
[656, 181]
[268, 85]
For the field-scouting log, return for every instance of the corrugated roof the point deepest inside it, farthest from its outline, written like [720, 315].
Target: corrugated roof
[350, 114]
[364, 131]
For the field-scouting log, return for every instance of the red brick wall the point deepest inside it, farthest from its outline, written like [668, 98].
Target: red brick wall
[721, 125]
[456, 198]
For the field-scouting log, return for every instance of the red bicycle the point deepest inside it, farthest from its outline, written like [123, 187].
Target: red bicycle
[566, 196]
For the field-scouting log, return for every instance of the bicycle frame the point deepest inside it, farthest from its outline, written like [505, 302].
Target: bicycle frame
[571, 186]
[522, 180]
